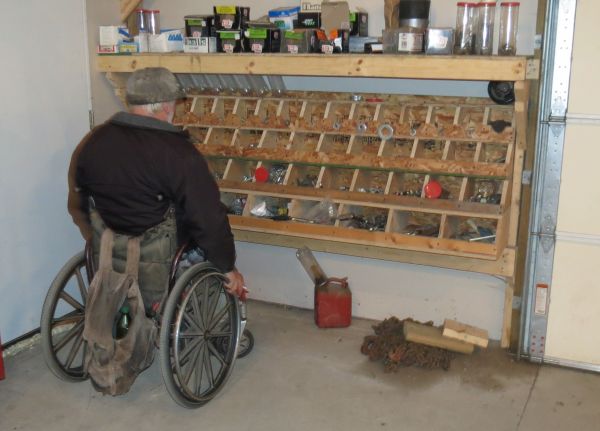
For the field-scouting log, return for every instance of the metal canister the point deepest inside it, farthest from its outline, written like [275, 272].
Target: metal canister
[333, 303]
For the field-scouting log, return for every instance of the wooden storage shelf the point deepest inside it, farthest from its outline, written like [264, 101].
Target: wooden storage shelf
[355, 65]
[325, 147]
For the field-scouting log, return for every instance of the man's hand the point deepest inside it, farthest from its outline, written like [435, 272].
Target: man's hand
[235, 284]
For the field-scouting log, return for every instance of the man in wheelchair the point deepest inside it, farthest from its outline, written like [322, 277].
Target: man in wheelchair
[138, 174]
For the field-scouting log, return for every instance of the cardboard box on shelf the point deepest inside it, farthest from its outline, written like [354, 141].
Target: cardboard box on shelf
[231, 17]
[359, 23]
[166, 41]
[309, 20]
[335, 16]
[200, 45]
[285, 18]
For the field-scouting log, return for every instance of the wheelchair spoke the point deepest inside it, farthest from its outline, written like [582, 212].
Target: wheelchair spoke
[191, 346]
[226, 334]
[72, 317]
[217, 319]
[193, 364]
[205, 293]
[74, 331]
[75, 349]
[213, 305]
[190, 322]
[199, 374]
[216, 353]
[209, 370]
[196, 315]
[71, 301]
[82, 286]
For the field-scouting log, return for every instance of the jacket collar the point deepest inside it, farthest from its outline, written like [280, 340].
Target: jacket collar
[142, 122]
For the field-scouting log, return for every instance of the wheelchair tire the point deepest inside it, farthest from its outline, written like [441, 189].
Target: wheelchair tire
[198, 316]
[59, 335]
[246, 344]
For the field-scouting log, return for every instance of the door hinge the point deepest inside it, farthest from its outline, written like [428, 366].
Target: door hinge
[516, 303]
[91, 118]
[526, 178]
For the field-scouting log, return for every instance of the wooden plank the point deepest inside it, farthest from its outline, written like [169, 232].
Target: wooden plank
[500, 267]
[467, 333]
[509, 293]
[432, 336]
[473, 68]
[369, 161]
[127, 7]
[359, 236]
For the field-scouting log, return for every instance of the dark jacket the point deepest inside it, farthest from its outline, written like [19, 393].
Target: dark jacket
[134, 168]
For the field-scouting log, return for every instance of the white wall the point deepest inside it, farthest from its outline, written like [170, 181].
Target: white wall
[43, 114]
[380, 289]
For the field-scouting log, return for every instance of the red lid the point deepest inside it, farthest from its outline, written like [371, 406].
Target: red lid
[466, 3]
[433, 189]
[261, 175]
[510, 3]
[488, 3]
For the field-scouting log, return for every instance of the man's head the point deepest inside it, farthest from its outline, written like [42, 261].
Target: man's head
[153, 92]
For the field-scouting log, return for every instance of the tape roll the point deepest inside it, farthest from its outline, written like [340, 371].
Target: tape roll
[385, 132]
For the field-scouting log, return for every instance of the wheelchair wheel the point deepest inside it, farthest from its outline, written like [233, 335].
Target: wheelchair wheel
[199, 336]
[246, 344]
[62, 321]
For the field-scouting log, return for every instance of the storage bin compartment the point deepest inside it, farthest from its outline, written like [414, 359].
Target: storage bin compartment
[407, 184]
[217, 166]
[276, 140]
[220, 136]
[323, 212]
[365, 112]
[392, 113]
[234, 202]
[268, 110]
[371, 181]
[337, 178]
[290, 110]
[361, 217]
[314, 113]
[241, 171]
[471, 229]
[450, 186]
[277, 172]
[334, 144]
[305, 141]
[413, 223]
[246, 108]
[397, 148]
[471, 114]
[203, 106]
[485, 191]
[429, 149]
[462, 151]
[493, 153]
[248, 138]
[416, 115]
[339, 111]
[443, 116]
[269, 207]
[304, 176]
[366, 145]
[198, 134]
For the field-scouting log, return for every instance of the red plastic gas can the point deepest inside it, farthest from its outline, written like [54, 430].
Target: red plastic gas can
[333, 304]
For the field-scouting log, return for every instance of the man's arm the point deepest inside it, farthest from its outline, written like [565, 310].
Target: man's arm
[194, 190]
[76, 201]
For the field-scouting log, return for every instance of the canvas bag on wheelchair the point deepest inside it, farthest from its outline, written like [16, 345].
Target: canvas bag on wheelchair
[113, 364]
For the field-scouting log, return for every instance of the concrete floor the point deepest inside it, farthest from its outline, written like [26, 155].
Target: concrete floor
[301, 378]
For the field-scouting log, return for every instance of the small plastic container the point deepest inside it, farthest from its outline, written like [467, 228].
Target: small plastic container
[465, 28]
[509, 22]
[404, 40]
[484, 40]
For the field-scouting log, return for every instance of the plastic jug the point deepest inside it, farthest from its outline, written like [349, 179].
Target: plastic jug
[333, 304]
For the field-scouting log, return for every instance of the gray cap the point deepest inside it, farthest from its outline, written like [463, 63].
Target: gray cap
[153, 85]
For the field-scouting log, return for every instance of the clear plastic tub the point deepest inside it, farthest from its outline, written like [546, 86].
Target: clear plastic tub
[484, 43]
[465, 28]
[509, 21]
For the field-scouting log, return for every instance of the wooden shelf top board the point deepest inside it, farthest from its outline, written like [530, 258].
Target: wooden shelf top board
[469, 68]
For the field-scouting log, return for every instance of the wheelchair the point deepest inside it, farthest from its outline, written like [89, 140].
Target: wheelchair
[202, 328]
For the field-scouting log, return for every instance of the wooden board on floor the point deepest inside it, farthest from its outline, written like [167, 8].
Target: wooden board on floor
[467, 333]
[432, 336]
